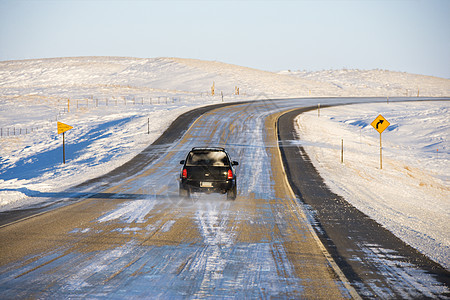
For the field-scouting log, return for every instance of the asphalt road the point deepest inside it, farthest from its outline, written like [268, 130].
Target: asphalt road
[127, 234]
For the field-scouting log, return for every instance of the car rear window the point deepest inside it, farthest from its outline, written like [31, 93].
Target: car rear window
[208, 158]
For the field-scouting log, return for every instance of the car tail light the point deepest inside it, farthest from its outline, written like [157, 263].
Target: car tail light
[230, 174]
[184, 173]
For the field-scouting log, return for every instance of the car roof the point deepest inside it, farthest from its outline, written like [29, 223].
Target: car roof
[208, 149]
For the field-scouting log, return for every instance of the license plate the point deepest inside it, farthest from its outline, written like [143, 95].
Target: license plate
[206, 184]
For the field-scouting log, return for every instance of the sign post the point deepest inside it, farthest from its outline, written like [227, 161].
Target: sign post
[62, 128]
[380, 124]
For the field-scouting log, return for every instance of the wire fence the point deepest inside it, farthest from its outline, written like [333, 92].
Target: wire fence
[120, 101]
[5, 132]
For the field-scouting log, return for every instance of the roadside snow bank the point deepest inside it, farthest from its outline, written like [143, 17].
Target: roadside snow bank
[410, 195]
[8, 197]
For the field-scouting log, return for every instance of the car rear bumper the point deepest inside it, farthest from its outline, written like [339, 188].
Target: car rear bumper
[207, 186]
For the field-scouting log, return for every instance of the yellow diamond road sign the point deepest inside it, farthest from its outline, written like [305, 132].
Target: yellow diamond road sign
[63, 127]
[380, 124]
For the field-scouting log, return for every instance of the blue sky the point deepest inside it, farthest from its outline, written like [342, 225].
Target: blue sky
[399, 35]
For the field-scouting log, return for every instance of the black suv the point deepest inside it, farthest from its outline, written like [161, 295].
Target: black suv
[208, 170]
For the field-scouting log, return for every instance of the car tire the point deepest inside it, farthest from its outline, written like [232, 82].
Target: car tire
[184, 193]
[231, 193]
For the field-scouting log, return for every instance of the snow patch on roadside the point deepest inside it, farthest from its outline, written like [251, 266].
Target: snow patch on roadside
[13, 196]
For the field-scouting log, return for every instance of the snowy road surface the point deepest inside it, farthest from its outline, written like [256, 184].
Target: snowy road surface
[136, 238]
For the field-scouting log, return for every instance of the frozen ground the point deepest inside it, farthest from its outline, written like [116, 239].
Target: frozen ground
[109, 100]
[410, 194]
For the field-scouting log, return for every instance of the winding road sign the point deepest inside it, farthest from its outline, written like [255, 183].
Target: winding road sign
[63, 127]
[380, 124]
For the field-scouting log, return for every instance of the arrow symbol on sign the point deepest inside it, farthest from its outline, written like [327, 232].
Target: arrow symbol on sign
[379, 123]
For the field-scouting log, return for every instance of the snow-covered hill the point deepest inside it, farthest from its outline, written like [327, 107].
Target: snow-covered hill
[381, 83]
[117, 76]
[114, 76]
